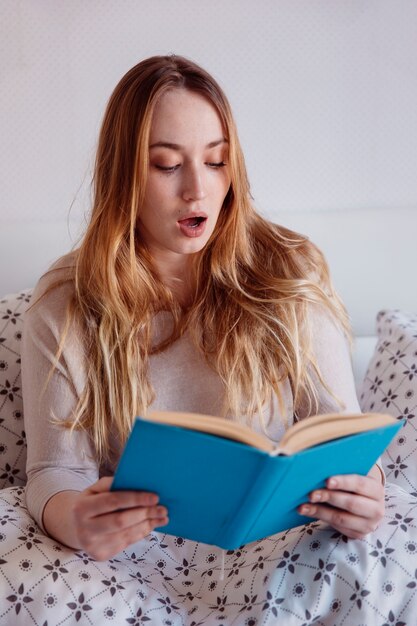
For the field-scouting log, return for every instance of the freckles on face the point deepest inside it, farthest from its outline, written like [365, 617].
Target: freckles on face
[188, 176]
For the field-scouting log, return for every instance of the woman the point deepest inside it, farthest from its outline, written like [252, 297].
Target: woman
[180, 297]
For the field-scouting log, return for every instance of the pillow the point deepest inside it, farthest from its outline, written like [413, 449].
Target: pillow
[12, 434]
[390, 386]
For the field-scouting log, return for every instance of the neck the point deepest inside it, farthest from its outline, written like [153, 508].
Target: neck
[175, 272]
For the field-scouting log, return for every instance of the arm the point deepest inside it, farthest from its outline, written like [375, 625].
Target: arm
[352, 504]
[63, 492]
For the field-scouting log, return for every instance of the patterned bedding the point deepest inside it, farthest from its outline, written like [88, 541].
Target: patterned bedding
[311, 575]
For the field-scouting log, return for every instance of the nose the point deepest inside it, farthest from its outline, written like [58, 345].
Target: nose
[194, 187]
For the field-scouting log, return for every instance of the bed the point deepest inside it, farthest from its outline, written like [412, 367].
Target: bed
[310, 575]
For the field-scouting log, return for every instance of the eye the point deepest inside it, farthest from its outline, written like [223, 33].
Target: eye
[216, 165]
[168, 169]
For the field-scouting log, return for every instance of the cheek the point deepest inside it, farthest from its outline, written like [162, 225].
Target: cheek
[219, 188]
[158, 196]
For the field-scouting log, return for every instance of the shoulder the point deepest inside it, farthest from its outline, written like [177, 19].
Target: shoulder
[60, 273]
[308, 260]
[53, 293]
[61, 270]
[288, 254]
[325, 322]
[304, 266]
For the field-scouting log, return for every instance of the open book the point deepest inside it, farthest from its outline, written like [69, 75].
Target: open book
[226, 485]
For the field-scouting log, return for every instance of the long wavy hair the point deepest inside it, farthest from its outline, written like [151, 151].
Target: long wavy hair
[254, 280]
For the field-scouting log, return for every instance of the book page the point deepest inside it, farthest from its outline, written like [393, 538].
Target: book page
[320, 428]
[309, 432]
[212, 425]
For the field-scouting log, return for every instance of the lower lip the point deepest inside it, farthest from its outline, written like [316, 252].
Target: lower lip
[192, 231]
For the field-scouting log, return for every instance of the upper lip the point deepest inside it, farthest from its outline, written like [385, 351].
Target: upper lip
[193, 214]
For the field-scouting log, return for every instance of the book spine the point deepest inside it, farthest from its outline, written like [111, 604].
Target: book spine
[272, 470]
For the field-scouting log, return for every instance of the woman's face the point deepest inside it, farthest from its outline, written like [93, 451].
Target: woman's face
[188, 176]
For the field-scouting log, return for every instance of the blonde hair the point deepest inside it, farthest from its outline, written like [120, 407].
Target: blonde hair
[253, 280]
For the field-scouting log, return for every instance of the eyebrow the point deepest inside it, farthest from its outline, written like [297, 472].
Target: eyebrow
[176, 146]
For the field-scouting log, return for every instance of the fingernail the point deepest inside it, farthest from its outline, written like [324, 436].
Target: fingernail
[307, 509]
[332, 482]
[161, 510]
[316, 496]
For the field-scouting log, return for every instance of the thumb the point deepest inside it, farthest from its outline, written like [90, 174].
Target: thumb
[101, 485]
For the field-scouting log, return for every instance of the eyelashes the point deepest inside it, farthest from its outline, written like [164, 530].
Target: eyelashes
[173, 168]
[167, 170]
[217, 165]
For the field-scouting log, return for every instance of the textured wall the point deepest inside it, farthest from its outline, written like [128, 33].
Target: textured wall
[324, 93]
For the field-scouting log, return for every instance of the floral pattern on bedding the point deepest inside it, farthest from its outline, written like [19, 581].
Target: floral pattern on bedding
[310, 575]
[390, 386]
[307, 576]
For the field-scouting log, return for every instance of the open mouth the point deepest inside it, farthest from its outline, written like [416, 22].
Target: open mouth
[193, 226]
[192, 222]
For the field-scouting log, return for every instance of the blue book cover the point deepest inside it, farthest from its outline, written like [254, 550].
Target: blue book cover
[226, 493]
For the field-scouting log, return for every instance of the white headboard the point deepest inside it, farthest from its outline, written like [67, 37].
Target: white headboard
[372, 255]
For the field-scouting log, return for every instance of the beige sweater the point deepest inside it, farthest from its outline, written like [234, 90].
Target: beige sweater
[58, 461]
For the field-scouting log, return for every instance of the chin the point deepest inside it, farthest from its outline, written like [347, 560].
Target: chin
[193, 246]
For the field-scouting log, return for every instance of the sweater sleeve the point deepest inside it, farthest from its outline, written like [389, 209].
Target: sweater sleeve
[330, 350]
[57, 460]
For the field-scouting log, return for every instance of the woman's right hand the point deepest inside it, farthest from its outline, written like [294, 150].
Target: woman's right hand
[105, 522]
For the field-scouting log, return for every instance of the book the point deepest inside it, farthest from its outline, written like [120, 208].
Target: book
[226, 485]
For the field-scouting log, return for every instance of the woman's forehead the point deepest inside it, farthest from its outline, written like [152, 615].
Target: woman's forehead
[181, 115]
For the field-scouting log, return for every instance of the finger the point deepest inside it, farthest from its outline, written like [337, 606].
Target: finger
[351, 502]
[118, 541]
[103, 484]
[139, 531]
[119, 521]
[340, 519]
[355, 483]
[92, 505]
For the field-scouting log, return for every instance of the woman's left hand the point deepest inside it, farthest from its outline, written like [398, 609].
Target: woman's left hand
[354, 505]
